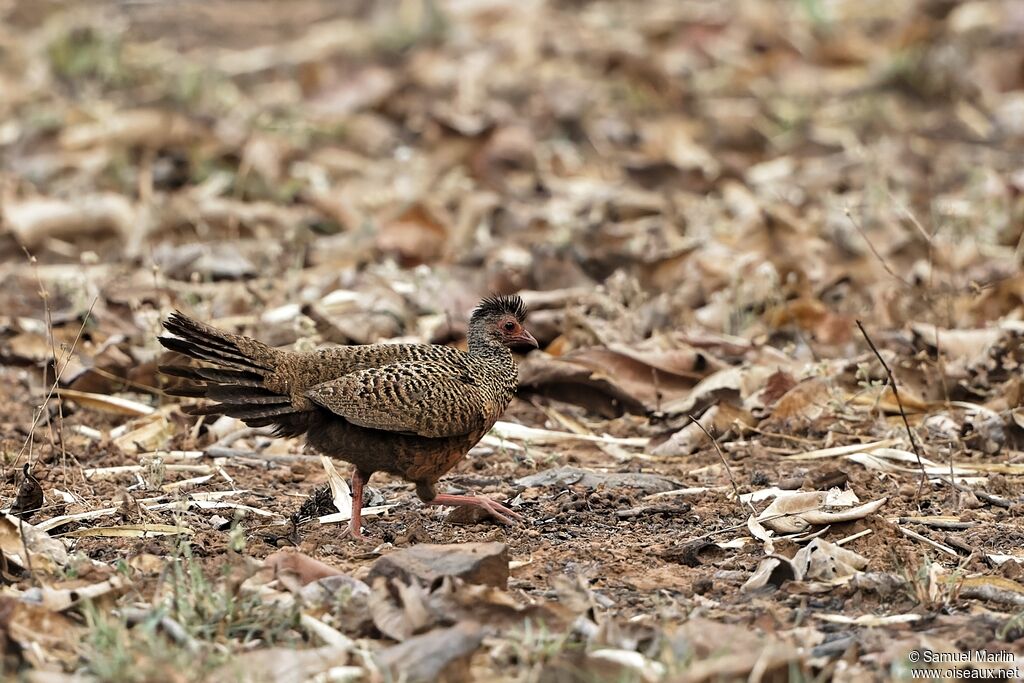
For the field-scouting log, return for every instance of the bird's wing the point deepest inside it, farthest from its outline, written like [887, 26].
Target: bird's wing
[425, 398]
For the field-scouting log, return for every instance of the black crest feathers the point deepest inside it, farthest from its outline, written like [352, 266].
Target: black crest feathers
[502, 305]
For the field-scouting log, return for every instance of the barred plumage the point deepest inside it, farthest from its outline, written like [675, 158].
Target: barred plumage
[410, 409]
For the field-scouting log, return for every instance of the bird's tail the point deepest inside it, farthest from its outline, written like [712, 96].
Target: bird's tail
[239, 378]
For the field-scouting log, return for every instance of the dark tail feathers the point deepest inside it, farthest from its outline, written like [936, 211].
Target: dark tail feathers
[235, 382]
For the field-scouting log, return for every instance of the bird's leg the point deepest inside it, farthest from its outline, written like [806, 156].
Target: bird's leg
[429, 495]
[355, 524]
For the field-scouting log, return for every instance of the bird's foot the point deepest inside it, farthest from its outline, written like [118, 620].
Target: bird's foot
[355, 532]
[496, 509]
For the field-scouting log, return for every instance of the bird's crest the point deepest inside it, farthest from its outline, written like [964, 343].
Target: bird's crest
[500, 305]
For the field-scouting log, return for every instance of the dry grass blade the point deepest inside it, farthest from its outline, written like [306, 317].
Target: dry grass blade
[56, 382]
[131, 531]
[725, 463]
[903, 413]
[109, 404]
[927, 541]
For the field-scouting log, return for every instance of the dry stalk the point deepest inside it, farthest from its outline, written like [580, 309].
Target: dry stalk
[56, 381]
[44, 294]
[728, 470]
[881, 259]
[899, 403]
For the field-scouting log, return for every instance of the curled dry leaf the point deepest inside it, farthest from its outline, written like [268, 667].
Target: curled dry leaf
[44, 636]
[731, 385]
[823, 561]
[297, 569]
[134, 128]
[145, 434]
[108, 404]
[33, 221]
[44, 553]
[793, 512]
[576, 383]
[800, 406]
[774, 570]
[994, 588]
[340, 492]
[400, 610]
[718, 419]
[817, 561]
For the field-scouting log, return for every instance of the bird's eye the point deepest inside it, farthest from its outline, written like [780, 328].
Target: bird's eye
[510, 326]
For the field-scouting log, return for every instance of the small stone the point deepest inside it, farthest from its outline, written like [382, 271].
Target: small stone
[483, 563]
[218, 522]
[442, 654]
[468, 515]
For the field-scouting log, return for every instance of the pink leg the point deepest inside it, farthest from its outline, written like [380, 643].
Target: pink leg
[497, 510]
[355, 524]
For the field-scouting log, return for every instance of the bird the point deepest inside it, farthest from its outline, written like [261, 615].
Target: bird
[412, 410]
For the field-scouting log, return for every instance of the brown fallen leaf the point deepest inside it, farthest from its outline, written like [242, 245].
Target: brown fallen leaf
[32, 221]
[44, 553]
[575, 383]
[415, 236]
[800, 406]
[718, 419]
[300, 568]
[133, 128]
[45, 637]
[108, 404]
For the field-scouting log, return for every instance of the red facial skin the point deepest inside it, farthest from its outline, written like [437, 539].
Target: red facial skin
[515, 336]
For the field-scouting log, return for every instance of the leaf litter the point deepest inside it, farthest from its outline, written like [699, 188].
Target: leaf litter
[699, 201]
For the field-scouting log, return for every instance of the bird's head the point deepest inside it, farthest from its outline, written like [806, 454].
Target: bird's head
[500, 319]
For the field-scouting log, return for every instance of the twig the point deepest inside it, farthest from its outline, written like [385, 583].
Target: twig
[24, 546]
[657, 391]
[952, 476]
[852, 537]
[171, 627]
[728, 471]
[45, 296]
[221, 452]
[899, 403]
[927, 541]
[56, 381]
[881, 259]
[987, 497]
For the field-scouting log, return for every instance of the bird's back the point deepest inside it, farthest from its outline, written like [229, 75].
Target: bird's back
[409, 409]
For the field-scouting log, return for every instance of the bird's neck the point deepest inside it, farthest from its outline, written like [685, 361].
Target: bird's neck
[481, 345]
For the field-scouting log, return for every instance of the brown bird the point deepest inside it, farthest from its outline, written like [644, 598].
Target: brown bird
[413, 410]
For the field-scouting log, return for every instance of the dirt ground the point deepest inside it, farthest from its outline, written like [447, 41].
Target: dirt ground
[772, 252]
